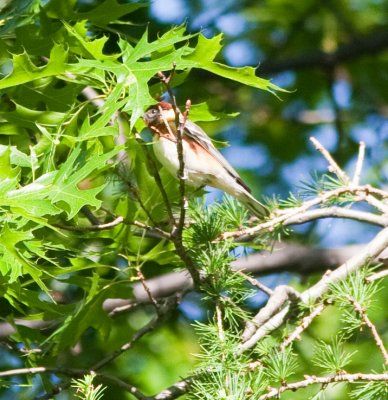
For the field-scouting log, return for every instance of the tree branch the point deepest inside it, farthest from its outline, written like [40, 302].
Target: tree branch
[180, 125]
[75, 373]
[359, 164]
[309, 296]
[292, 215]
[303, 325]
[357, 306]
[373, 43]
[313, 380]
[333, 166]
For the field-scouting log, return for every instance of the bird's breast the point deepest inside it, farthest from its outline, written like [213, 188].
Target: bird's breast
[199, 165]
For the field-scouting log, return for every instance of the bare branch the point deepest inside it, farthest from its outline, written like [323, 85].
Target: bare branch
[372, 43]
[174, 391]
[316, 380]
[75, 373]
[151, 231]
[337, 212]
[280, 299]
[303, 325]
[147, 290]
[377, 275]
[149, 327]
[254, 282]
[333, 166]
[180, 125]
[359, 164]
[295, 215]
[99, 227]
[357, 306]
[371, 251]
[181, 172]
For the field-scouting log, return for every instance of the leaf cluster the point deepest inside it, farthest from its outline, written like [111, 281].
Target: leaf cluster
[73, 90]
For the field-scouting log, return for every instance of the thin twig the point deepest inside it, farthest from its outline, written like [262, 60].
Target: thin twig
[122, 309]
[254, 282]
[359, 164]
[357, 306]
[100, 227]
[75, 373]
[155, 231]
[376, 203]
[176, 390]
[181, 172]
[337, 212]
[293, 214]
[154, 323]
[221, 333]
[370, 252]
[158, 180]
[377, 275]
[148, 291]
[303, 325]
[280, 299]
[149, 327]
[333, 166]
[180, 125]
[180, 122]
[132, 188]
[152, 229]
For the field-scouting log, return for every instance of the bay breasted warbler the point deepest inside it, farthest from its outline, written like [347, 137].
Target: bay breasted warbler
[203, 163]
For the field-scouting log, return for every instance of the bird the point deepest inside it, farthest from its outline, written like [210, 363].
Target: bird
[203, 163]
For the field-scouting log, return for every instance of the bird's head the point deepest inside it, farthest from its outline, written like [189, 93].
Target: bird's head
[157, 114]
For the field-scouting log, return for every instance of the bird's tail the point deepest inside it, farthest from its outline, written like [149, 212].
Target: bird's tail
[257, 208]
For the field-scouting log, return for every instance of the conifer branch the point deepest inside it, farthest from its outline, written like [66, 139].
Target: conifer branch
[76, 373]
[357, 306]
[303, 325]
[316, 380]
[371, 251]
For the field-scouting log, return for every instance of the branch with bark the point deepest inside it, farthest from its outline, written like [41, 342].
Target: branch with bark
[276, 312]
[370, 44]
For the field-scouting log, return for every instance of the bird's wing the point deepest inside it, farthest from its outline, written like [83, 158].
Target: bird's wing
[193, 131]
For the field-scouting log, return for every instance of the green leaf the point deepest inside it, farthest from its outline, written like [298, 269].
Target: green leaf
[105, 13]
[24, 70]
[203, 57]
[88, 47]
[16, 156]
[6, 170]
[28, 118]
[16, 13]
[89, 314]
[64, 187]
[201, 112]
[6, 185]
[13, 260]
[33, 198]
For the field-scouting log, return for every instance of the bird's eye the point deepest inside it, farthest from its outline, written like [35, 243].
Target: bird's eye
[153, 111]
